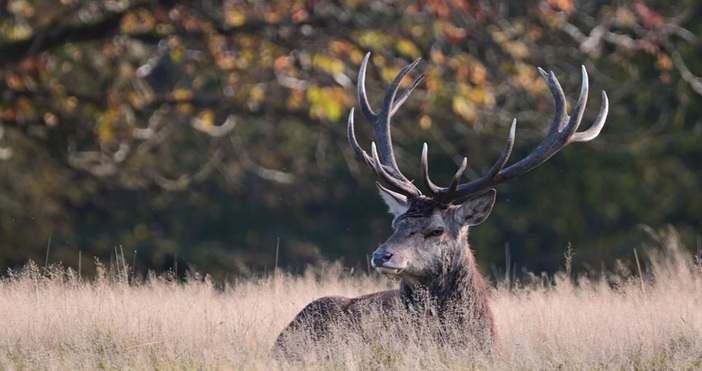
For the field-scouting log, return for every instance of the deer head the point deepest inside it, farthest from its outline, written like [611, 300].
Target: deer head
[430, 231]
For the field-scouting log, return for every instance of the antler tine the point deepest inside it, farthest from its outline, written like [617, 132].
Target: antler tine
[351, 135]
[506, 152]
[577, 115]
[383, 162]
[406, 93]
[597, 126]
[406, 188]
[456, 180]
[433, 188]
[554, 86]
[361, 89]
[563, 131]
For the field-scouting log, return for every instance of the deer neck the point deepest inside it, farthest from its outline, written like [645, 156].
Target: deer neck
[456, 288]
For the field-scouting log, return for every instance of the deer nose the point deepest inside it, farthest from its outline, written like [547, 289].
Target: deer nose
[380, 258]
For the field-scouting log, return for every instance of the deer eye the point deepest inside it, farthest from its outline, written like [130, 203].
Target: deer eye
[436, 232]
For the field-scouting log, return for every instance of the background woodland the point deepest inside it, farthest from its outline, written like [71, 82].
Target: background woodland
[212, 133]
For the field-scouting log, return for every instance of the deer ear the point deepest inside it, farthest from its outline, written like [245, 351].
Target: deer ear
[396, 202]
[475, 210]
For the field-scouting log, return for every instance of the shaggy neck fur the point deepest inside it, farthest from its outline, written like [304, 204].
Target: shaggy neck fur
[456, 294]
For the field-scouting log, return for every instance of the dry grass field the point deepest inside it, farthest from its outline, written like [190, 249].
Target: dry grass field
[50, 319]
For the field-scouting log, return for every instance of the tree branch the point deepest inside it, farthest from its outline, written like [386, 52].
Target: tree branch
[59, 33]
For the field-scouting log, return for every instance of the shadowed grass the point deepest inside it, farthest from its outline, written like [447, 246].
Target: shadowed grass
[52, 319]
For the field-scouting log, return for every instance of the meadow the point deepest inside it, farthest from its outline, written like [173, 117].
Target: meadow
[53, 319]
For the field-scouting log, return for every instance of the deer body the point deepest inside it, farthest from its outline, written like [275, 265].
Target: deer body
[429, 249]
[439, 277]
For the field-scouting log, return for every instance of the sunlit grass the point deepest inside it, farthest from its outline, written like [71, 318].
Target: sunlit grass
[50, 318]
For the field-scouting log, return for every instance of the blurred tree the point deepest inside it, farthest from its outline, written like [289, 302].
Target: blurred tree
[204, 132]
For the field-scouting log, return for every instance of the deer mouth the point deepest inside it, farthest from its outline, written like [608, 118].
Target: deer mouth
[383, 263]
[389, 270]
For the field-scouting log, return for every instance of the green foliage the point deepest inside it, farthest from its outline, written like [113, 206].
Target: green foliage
[204, 133]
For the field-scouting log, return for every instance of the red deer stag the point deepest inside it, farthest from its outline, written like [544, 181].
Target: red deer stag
[429, 249]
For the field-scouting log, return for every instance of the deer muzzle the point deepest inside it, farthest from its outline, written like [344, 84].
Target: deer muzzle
[381, 261]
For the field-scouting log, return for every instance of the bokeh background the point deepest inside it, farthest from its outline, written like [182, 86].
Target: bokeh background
[211, 134]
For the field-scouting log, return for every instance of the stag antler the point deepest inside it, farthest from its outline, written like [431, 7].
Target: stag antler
[383, 161]
[563, 132]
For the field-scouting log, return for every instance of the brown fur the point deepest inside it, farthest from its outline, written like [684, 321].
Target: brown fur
[440, 281]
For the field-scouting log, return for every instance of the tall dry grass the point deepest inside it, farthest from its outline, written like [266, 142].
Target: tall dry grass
[52, 319]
